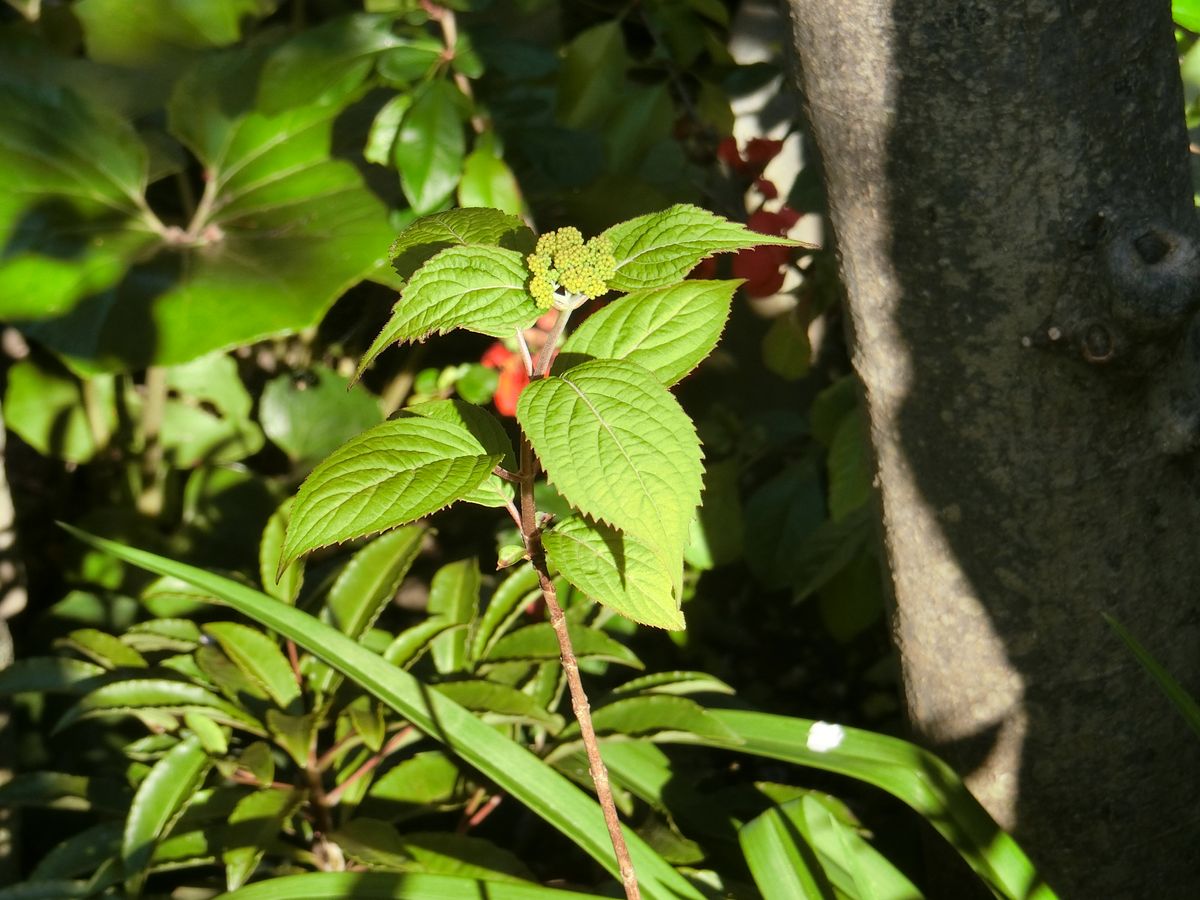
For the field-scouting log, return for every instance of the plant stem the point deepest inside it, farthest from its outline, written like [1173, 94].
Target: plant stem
[541, 368]
[579, 699]
[150, 502]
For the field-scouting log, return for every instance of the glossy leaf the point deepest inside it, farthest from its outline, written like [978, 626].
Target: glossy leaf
[661, 248]
[783, 865]
[396, 886]
[538, 642]
[367, 584]
[311, 415]
[136, 694]
[503, 607]
[332, 57]
[384, 128]
[1186, 14]
[423, 780]
[667, 330]
[365, 587]
[158, 801]
[499, 702]
[617, 446]
[512, 767]
[429, 235]
[652, 714]
[103, 649]
[259, 658]
[254, 822]
[180, 635]
[212, 738]
[394, 473]
[464, 856]
[454, 597]
[616, 570]
[478, 288]
[430, 146]
[676, 683]
[412, 642]
[487, 181]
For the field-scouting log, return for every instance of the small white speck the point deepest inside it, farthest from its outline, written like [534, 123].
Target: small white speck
[824, 736]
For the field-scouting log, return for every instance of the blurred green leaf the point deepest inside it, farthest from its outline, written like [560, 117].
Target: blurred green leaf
[311, 415]
[328, 59]
[503, 608]
[592, 80]
[285, 587]
[1186, 14]
[255, 821]
[80, 854]
[430, 146]
[102, 648]
[207, 416]
[396, 886]
[384, 128]
[499, 702]
[849, 467]
[785, 347]
[259, 658]
[538, 642]
[487, 181]
[50, 674]
[780, 515]
[61, 790]
[153, 694]
[49, 409]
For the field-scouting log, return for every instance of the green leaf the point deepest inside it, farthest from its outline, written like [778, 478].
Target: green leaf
[1186, 14]
[47, 407]
[429, 235]
[538, 642]
[828, 550]
[257, 759]
[412, 642]
[149, 32]
[80, 854]
[159, 800]
[786, 350]
[499, 702]
[367, 584]
[783, 865]
[103, 649]
[652, 714]
[478, 288]
[295, 734]
[366, 717]
[50, 674]
[592, 81]
[915, 776]
[424, 780]
[464, 856]
[254, 823]
[495, 491]
[310, 415]
[394, 473]
[618, 447]
[782, 515]
[137, 694]
[487, 181]
[72, 217]
[384, 128]
[661, 248]
[454, 597]
[615, 570]
[285, 587]
[505, 605]
[1174, 691]
[61, 790]
[667, 330]
[259, 658]
[676, 683]
[207, 416]
[399, 886]
[509, 765]
[281, 231]
[331, 58]
[179, 635]
[365, 587]
[429, 149]
[211, 736]
[849, 467]
[410, 61]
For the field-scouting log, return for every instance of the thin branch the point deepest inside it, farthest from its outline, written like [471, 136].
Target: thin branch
[387, 750]
[579, 699]
[501, 472]
[526, 357]
[546, 356]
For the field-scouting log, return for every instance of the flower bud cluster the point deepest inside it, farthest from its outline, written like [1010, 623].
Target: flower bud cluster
[562, 259]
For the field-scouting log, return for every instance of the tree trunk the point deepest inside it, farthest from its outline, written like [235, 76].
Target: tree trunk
[1009, 189]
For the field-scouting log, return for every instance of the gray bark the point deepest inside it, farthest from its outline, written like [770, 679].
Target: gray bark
[1009, 189]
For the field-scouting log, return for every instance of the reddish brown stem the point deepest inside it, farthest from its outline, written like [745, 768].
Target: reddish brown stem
[387, 750]
[579, 699]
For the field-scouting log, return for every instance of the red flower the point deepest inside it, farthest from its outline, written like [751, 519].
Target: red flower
[513, 377]
[764, 267]
[750, 160]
